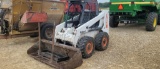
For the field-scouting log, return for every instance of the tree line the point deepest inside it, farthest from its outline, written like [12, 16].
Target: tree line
[104, 5]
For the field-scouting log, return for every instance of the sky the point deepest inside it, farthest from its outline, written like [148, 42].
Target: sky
[101, 1]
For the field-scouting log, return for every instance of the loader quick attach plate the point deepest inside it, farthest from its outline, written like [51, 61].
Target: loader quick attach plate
[64, 57]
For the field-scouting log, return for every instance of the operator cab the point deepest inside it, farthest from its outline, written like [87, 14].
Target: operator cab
[73, 15]
[80, 12]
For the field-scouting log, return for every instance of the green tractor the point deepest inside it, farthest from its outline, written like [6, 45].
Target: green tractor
[135, 11]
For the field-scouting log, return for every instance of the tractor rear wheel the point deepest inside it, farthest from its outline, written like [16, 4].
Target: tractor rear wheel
[158, 19]
[151, 21]
[36, 34]
[86, 45]
[101, 41]
[113, 22]
[47, 31]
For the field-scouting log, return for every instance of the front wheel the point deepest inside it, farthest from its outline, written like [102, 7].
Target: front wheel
[151, 21]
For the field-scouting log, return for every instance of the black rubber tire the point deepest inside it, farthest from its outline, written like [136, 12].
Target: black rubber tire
[112, 22]
[82, 44]
[150, 21]
[100, 37]
[158, 19]
[36, 34]
[43, 31]
[43, 24]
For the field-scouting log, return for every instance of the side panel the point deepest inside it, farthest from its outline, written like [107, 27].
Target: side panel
[18, 9]
[105, 21]
[130, 8]
[126, 7]
[55, 11]
[130, 0]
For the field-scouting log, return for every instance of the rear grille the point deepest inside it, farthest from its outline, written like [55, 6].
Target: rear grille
[120, 13]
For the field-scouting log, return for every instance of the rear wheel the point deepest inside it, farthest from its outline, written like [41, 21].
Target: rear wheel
[158, 23]
[151, 21]
[86, 45]
[47, 31]
[36, 34]
[101, 41]
[113, 22]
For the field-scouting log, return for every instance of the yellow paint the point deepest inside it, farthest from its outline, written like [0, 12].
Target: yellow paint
[121, 2]
[144, 2]
[155, 22]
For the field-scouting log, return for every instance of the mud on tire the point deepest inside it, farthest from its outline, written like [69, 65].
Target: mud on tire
[151, 21]
[86, 45]
[101, 41]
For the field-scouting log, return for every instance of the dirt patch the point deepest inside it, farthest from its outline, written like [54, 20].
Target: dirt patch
[131, 47]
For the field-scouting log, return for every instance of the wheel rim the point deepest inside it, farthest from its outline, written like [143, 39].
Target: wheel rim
[155, 22]
[89, 47]
[104, 42]
[48, 32]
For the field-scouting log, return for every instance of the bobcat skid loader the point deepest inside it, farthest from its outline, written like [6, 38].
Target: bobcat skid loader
[84, 30]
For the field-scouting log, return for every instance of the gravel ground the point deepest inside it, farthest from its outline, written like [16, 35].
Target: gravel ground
[131, 47]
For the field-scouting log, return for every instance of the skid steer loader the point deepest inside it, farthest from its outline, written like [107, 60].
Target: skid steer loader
[84, 30]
